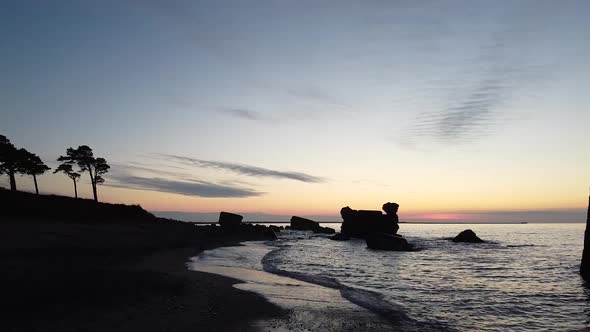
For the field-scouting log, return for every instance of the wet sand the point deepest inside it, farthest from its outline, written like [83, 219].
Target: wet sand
[308, 307]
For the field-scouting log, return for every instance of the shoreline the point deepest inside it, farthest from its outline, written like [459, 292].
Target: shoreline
[308, 306]
[312, 302]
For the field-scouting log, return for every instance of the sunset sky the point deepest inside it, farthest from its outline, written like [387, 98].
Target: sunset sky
[456, 110]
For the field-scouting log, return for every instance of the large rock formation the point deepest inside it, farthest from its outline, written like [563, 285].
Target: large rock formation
[382, 241]
[585, 266]
[230, 222]
[468, 236]
[362, 223]
[303, 224]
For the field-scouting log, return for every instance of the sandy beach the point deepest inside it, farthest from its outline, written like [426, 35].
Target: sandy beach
[75, 276]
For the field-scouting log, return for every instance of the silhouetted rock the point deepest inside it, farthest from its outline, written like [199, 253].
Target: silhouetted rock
[467, 236]
[362, 223]
[390, 242]
[229, 221]
[390, 208]
[585, 266]
[340, 237]
[303, 224]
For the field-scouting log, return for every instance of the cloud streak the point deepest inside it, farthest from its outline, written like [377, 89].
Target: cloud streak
[243, 114]
[143, 176]
[188, 187]
[245, 169]
[465, 120]
[480, 91]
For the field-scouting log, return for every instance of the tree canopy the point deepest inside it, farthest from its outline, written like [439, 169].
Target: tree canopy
[12, 160]
[84, 158]
[68, 170]
[32, 165]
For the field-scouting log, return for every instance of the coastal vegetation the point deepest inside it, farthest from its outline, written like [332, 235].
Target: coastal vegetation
[84, 158]
[15, 161]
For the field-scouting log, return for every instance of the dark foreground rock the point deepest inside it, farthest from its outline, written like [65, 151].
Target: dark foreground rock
[304, 224]
[467, 236]
[362, 223]
[388, 242]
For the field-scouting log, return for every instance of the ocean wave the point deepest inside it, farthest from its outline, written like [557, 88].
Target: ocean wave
[370, 300]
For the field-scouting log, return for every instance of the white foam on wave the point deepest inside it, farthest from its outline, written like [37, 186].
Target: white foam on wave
[311, 307]
[370, 300]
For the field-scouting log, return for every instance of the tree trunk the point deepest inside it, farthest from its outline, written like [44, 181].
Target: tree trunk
[585, 266]
[93, 181]
[94, 192]
[36, 187]
[75, 189]
[12, 180]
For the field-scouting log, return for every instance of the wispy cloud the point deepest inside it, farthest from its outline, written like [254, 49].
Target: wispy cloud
[126, 176]
[244, 114]
[245, 169]
[188, 187]
[467, 119]
[481, 89]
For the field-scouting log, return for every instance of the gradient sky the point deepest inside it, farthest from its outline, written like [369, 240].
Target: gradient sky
[454, 109]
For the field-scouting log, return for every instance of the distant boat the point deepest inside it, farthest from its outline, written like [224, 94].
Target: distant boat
[524, 222]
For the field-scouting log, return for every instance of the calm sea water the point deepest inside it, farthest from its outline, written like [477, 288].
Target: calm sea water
[524, 279]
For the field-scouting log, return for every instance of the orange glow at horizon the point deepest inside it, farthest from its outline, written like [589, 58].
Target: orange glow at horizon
[443, 216]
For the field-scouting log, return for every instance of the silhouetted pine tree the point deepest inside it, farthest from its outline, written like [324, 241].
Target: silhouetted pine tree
[68, 170]
[32, 165]
[84, 158]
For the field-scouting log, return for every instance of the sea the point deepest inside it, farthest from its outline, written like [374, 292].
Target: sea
[523, 278]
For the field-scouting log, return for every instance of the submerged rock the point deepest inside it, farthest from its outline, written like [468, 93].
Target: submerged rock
[468, 236]
[388, 242]
[324, 230]
[340, 237]
[230, 221]
[275, 229]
